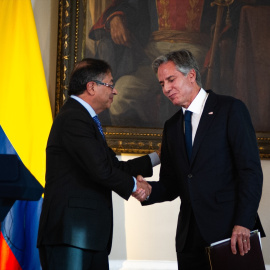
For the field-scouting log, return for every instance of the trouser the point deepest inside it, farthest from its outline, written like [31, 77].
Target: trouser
[194, 255]
[64, 257]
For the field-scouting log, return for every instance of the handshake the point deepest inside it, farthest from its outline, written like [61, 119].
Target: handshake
[143, 189]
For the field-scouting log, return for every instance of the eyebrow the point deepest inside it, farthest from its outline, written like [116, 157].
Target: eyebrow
[168, 78]
[111, 81]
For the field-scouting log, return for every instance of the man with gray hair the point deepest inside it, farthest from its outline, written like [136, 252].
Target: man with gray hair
[210, 159]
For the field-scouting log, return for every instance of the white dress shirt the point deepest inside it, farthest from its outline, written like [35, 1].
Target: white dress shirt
[196, 107]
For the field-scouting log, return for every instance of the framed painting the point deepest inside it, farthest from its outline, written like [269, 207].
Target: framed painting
[229, 39]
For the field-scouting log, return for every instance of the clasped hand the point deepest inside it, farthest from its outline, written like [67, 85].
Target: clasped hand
[143, 189]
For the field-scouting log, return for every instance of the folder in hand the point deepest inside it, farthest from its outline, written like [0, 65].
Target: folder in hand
[222, 258]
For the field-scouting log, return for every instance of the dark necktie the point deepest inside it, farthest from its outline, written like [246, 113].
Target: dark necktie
[188, 132]
[99, 126]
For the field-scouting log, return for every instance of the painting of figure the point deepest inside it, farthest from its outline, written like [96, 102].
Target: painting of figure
[229, 38]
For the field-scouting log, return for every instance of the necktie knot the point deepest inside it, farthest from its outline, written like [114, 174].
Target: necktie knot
[188, 132]
[188, 116]
[95, 118]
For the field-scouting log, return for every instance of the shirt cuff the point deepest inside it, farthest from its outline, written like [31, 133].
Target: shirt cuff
[155, 160]
[135, 184]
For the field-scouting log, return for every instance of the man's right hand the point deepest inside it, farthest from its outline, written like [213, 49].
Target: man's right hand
[119, 32]
[143, 189]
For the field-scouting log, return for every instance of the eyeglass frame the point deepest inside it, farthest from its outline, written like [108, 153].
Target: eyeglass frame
[105, 84]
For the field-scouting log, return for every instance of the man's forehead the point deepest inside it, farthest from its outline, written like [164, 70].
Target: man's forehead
[167, 72]
[167, 66]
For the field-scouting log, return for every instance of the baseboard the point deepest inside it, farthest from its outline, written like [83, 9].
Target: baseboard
[142, 265]
[146, 265]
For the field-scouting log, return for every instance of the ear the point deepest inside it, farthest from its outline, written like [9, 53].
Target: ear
[90, 88]
[192, 75]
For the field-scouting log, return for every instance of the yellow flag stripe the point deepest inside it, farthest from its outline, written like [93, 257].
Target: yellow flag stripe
[25, 113]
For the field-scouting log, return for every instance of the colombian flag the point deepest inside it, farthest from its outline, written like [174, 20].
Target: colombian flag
[25, 121]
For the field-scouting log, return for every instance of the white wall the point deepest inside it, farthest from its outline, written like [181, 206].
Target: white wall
[144, 233]
[46, 18]
[148, 233]
[140, 233]
[264, 210]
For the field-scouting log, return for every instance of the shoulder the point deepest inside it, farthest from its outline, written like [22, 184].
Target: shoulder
[72, 108]
[224, 100]
[174, 119]
[72, 112]
[228, 107]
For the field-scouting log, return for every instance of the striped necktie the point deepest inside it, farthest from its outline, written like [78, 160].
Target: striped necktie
[99, 126]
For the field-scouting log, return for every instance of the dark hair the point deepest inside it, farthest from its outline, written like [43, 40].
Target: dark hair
[183, 60]
[85, 71]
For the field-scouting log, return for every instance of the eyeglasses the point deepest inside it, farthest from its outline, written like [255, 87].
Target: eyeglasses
[105, 84]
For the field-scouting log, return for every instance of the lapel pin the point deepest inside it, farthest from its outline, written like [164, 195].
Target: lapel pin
[210, 113]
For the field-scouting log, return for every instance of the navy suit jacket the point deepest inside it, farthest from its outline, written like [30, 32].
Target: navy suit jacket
[222, 183]
[81, 173]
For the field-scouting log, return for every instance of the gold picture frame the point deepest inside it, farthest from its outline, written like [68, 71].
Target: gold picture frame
[71, 41]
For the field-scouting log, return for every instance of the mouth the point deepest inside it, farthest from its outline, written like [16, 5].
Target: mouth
[171, 96]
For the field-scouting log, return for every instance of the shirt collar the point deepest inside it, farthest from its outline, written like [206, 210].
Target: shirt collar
[85, 105]
[198, 102]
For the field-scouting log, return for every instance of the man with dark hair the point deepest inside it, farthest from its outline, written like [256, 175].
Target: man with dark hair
[210, 159]
[75, 230]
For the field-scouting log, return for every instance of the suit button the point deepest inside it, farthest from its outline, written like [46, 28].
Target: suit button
[190, 176]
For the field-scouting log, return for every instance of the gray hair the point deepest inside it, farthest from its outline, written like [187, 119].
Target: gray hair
[183, 60]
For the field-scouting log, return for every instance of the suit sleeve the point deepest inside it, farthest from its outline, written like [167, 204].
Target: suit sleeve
[141, 165]
[246, 157]
[166, 188]
[84, 145]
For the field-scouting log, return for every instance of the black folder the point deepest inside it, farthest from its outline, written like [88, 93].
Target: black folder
[222, 258]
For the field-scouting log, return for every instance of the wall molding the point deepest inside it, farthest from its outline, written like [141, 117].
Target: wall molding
[146, 265]
[143, 265]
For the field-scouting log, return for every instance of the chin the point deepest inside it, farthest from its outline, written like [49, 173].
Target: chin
[175, 103]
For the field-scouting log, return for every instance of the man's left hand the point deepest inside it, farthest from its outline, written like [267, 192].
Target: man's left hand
[241, 236]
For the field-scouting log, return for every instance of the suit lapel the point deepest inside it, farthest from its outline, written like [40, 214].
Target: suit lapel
[207, 118]
[99, 135]
[180, 143]
[75, 104]
[180, 131]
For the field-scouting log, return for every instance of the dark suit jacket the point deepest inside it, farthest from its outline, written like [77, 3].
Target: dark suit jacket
[222, 184]
[81, 172]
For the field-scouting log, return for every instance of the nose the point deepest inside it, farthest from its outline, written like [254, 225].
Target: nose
[166, 88]
[114, 91]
